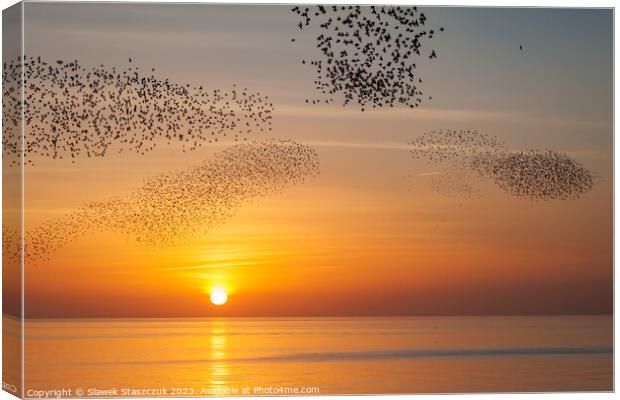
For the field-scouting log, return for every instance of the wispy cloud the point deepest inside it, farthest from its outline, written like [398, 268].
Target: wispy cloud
[443, 115]
[404, 113]
[216, 264]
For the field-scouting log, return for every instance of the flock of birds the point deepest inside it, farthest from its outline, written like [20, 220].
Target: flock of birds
[178, 205]
[536, 174]
[367, 54]
[531, 174]
[71, 111]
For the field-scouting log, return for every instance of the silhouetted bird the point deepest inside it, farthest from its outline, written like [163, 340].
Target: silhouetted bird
[367, 54]
[176, 206]
[532, 174]
[72, 111]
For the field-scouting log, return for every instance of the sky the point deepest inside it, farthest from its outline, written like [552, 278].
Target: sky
[369, 235]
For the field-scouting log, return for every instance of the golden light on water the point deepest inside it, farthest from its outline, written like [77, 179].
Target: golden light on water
[219, 297]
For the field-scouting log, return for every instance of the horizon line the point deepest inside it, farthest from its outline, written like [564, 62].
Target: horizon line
[310, 316]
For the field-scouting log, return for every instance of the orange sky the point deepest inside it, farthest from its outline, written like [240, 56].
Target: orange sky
[326, 249]
[360, 239]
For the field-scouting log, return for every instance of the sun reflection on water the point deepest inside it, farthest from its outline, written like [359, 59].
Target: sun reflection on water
[218, 368]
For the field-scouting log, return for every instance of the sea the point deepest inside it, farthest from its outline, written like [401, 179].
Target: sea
[310, 356]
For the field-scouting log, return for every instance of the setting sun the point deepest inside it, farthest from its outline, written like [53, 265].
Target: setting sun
[219, 297]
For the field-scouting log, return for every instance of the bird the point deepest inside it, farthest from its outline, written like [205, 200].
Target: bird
[521, 47]
[73, 111]
[528, 174]
[367, 55]
[178, 205]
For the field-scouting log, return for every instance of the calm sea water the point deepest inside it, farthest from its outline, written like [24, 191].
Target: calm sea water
[335, 355]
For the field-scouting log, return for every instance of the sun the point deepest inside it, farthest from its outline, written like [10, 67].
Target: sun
[219, 297]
